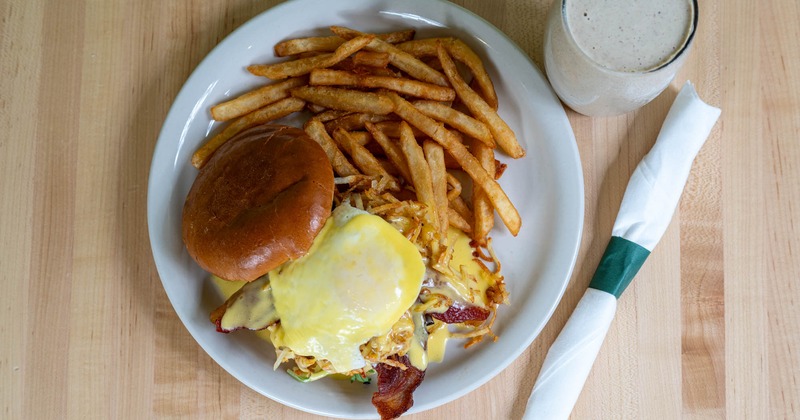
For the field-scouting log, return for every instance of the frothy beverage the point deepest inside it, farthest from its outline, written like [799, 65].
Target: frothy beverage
[607, 57]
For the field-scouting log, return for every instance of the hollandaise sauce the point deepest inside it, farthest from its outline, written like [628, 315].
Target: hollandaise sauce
[254, 309]
[428, 344]
[468, 280]
[437, 341]
[359, 277]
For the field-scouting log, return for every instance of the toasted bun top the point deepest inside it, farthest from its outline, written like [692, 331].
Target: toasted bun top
[258, 202]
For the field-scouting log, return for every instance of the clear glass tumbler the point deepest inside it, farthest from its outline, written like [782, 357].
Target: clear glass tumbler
[610, 57]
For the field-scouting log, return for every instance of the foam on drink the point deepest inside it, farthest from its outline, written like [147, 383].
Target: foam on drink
[609, 57]
[625, 35]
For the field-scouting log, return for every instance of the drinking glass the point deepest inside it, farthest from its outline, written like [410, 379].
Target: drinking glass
[594, 88]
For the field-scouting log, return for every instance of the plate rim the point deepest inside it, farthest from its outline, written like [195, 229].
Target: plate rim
[162, 143]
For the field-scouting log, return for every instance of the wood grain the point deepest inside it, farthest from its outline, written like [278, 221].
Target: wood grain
[779, 207]
[710, 328]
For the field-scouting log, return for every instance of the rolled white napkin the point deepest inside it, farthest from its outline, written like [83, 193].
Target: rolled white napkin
[647, 208]
[657, 182]
[571, 356]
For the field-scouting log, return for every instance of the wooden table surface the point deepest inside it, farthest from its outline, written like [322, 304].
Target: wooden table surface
[710, 328]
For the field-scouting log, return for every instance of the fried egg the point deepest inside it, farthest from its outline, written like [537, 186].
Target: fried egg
[357, 279]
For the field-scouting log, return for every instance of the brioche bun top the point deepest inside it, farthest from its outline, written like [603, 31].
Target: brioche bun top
[259, 201]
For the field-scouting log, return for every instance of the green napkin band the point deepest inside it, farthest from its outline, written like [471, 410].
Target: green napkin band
[620, 263]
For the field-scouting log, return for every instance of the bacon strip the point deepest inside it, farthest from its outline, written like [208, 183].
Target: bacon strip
[395, 388]
[459, 313]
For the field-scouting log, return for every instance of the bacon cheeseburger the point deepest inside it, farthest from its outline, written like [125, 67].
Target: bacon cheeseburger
[355, 290]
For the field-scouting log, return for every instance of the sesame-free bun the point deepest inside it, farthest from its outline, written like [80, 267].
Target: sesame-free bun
[259, 201]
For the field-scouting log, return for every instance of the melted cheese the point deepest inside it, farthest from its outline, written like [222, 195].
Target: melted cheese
[356, 281]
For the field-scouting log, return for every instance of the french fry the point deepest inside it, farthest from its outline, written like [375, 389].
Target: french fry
[457, 221]
[392, 129]
[309, 54]
[356, 121]
[389, 167]
[350, 47]
[461, 52]
[455, 191]
[434, 155]
[508, 213]
[371, 59]
[473, 84]
[255, 99]
[362, 158]
[361, 137]
[350, 65]
[330, 43]
[501, 132]
[329, 114]
[315, 109]
[402, 35]
[344, 99]
[392, 151]
[420, 171]
[326, 77]
[432, 61]
[482, 209]
[460, 206]
[341, 165]
[269, 113]
[375, 71]
[305, 65]
[450, 162]
[458, 120]
[302, 45]
[400, 59]
[422, 48]
[291, 68]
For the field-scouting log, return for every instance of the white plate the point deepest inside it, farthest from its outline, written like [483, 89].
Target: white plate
[546, 186]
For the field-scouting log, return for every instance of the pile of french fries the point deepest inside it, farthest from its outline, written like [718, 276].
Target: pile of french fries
[394, 108]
